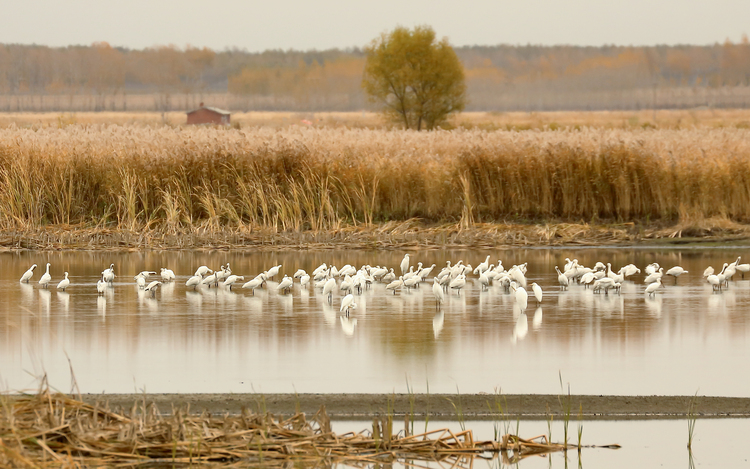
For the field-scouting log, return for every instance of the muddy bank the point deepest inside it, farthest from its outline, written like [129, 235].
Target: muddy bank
[443, 406]
[408, 234]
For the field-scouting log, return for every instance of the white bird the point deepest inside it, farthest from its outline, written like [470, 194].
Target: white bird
[426, 272]
[742, 268]
[63, 283]
[146, 273]
[224, 274]
[395, 285]
[328, 288]
[458, 283]
[285, 284]
[484, 280]
[652, 268]
[255, 283]
[651, 289]
[140, 280]
[347, 303]
[629, 270]
[211, 279]
[412, 281]
[389, 277]
[194, 281]
[404, 264]
[300, 273]
[231, 280]
[654, 276]
[709, 271]
[562, 279]
[304, 280]
[437, 292]
[108, 275]
[203, 271]
[537, 292]
[46, 278]
[322, 267]
[100, 286]
[28, 274]
[273, 271]
[167, 275]
[482, 266]
[676, 272]
[152, 287]
[522, 297]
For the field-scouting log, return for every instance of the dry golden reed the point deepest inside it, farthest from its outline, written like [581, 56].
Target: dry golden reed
[209, 179]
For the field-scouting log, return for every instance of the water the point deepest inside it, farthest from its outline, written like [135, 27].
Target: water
[687, 339]
[717, 443]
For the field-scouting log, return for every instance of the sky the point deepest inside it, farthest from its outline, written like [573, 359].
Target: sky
[323, 24]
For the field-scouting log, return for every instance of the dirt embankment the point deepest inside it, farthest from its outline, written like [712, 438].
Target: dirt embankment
[445, 406]
[409, 234]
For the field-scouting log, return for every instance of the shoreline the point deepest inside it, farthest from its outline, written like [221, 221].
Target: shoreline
[408, 234]
[441, 406]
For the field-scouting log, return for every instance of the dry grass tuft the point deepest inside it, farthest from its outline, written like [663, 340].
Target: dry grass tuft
[202, 181]
[55, 430]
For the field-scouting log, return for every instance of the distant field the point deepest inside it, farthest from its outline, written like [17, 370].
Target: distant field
[664, 119]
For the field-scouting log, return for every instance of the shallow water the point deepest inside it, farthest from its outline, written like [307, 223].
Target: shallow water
[645, 443]
[687, 339]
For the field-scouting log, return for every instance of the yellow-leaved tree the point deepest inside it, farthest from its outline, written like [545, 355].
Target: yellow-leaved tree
[418, 80]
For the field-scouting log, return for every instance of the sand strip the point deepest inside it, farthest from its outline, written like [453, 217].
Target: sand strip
[445, 406]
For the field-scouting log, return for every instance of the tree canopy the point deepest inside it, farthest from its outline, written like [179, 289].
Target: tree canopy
[418, 80]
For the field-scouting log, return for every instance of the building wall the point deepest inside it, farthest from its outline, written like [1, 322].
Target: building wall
[206, 116]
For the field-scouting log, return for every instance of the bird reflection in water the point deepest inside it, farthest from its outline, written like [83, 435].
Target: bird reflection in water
[536, 322]
[520, 329]
[347, 325]
[437, 323]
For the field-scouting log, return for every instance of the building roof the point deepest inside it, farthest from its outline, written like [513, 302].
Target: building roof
[213, 109]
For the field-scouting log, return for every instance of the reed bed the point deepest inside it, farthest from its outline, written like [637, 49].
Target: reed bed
[56, 430]
[198, 181]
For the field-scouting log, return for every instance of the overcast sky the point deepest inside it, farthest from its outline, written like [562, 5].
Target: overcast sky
[324, 24]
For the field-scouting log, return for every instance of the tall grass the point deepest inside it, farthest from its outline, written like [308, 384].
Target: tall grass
[178, 179]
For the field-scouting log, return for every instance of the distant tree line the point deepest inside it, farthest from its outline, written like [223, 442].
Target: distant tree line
[498, 78]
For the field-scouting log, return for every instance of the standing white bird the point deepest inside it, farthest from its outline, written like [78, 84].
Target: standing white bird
[28, 274]
[347, 303]
[562, 279]
[522, 297]
[202, 271]
[100, 286]
[167, 275]
[140, 280]
[304, 281]
[651, 289]
[653, 277]
[458, 283]
[537, 292]
[46, 278]
[231, 280]
[328, 288]
[194, 281]
[389, 277]
[709, 271]
[437, 292]
[64, 283]
[676, 272]
[273, 271]
[404, 264]
[108, 275]
[395, 285]
[152, 287]
[285, 284]
[299, 273]
[255, 283]
[211, 279]
[482, 266]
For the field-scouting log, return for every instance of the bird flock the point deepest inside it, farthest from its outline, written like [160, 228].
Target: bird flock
[348, 281]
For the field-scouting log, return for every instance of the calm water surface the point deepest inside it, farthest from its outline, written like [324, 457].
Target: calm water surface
[717, 443]
[687, 339]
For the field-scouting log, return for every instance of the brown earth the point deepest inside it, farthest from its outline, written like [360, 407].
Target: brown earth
[408, 234]
[444, 406]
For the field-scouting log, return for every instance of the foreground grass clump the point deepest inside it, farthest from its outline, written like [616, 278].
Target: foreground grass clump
[55, 430]
[200, 179]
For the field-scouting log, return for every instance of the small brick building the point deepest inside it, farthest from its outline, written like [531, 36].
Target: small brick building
[208, 115]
